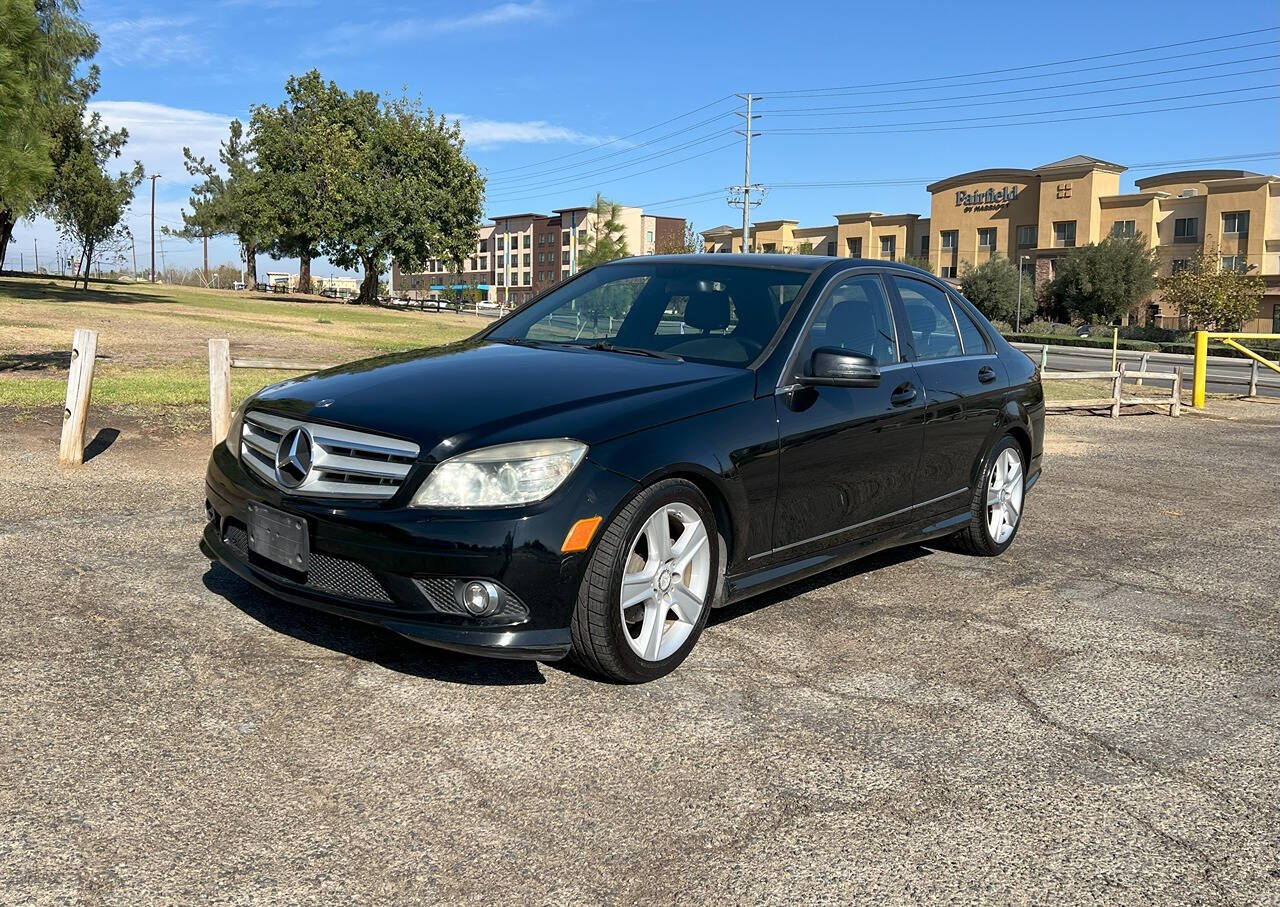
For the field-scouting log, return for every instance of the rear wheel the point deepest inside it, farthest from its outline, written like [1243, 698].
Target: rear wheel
[996, 506]
[648, 589]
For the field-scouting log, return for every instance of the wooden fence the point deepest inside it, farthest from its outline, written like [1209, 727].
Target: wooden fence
[220, 365]
[1118, 397]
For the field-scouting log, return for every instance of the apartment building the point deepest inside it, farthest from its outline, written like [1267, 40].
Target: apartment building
[1035, 216]
[520, 255]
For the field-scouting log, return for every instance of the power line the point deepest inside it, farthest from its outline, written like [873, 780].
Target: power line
[1025, 68]
[986, 96]
[680, 132]
[621, 138]
[890, 128]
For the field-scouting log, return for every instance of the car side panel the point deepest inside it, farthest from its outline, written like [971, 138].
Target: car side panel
[731, 452]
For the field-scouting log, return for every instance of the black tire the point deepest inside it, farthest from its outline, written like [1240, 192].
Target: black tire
[597, 626]
[975, 538]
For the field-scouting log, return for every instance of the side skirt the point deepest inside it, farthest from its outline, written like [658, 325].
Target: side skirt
[756, 582]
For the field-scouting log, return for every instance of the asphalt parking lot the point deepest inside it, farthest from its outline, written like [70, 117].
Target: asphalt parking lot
[1094, 716]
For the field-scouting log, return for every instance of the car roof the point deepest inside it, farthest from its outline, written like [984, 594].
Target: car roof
[782, 262]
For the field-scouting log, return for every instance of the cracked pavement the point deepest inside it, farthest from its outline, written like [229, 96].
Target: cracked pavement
[1094, 716]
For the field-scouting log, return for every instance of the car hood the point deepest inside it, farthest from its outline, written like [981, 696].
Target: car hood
[471, 394]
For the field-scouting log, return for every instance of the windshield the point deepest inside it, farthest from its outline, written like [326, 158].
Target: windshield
[722, 314]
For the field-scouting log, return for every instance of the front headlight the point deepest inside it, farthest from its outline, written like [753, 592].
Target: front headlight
[234, 430]
[501, 476]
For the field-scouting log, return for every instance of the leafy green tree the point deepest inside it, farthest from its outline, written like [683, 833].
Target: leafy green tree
[606, 236]
[233, 204]
[921, 263]
[1211, 297]
[289, 144]
[398, 185]
[42, 42]
[688, 243]
[992, 286]
[1103, 282]
[87, 202]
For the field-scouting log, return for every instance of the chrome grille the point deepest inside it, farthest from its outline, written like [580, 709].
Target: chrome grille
[345, 463]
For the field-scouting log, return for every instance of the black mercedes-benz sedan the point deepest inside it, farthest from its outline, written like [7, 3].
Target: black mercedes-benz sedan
[653, 438]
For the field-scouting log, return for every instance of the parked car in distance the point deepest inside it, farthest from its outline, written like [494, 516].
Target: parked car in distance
[593, 473]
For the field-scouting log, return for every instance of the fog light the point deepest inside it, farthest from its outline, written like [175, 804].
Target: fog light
[480, 598]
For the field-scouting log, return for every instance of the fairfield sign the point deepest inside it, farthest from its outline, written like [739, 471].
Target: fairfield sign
[992, 198]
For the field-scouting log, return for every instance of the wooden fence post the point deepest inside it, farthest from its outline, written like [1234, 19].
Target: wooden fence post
[1175, 409]
[84, 349]
[219, 389]
[1142, 366]
[1253, 379]
[1117, 385]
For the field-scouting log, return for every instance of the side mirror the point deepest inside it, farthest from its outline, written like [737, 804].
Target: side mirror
[833, 367]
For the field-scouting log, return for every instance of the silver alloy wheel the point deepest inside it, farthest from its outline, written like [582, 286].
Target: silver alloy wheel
[665, 581]
[1004, 496]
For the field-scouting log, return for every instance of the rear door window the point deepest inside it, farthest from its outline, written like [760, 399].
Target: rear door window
[933, 329]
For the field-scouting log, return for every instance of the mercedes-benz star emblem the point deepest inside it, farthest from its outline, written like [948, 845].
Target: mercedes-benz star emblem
[293, 457]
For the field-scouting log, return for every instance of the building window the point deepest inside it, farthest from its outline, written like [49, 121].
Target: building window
[950, 240]
[564, 258]
[484, 245]
[889, 248]
[770, 247]
[948, 271]
[855, 246]
[1234, 263]
[1064, 234]
[648, 236]
[924, 246]
[501, 278]
[582, 236]
[564, 238]
[484, 262]
[831, 248]
[987, 238]
[1186, 229]
[1128, 228]
[528, 278]
[1275, 319]
[1027, 236]
[528, 240]
[1235, 223]
[1179, 265]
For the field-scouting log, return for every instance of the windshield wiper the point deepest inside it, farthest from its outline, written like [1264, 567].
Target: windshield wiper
[633, 351]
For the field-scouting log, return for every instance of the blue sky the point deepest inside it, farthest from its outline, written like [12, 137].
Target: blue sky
[552, 93]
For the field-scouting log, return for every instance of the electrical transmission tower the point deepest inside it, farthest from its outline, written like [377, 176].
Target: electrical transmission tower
[740, 196]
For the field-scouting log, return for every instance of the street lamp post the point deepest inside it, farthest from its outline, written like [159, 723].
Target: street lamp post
[1017, 318]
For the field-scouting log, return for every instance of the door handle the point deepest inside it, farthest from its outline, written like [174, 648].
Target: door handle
[903, 394]
[986, 374]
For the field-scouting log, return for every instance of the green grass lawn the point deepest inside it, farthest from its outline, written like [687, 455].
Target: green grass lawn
[153, 339]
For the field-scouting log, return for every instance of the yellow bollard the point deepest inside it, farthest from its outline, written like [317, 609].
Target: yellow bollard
[1202, 361]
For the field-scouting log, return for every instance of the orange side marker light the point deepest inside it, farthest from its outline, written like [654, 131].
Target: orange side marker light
[580, 535]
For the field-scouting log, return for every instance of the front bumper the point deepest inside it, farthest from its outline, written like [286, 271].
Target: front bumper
[379, 563]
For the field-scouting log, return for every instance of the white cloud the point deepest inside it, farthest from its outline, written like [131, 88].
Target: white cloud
[149, 41]
[481, 133]
[352, 37]
[157, 135]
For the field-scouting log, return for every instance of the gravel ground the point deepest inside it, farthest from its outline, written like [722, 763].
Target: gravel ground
[1094, 716]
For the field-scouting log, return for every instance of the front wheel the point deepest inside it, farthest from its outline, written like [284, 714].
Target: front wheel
[648, 588]
[996, 506]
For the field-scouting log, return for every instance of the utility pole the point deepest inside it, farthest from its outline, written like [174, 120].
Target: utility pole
[747, 188]
[37, 242]
[133, 248]
[154, 177]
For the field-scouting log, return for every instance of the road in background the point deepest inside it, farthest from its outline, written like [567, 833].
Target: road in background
[1225, 375]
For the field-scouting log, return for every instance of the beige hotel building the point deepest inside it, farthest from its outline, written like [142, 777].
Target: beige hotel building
[1035, 216]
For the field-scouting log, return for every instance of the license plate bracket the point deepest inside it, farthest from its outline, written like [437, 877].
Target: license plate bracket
[280, 537]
